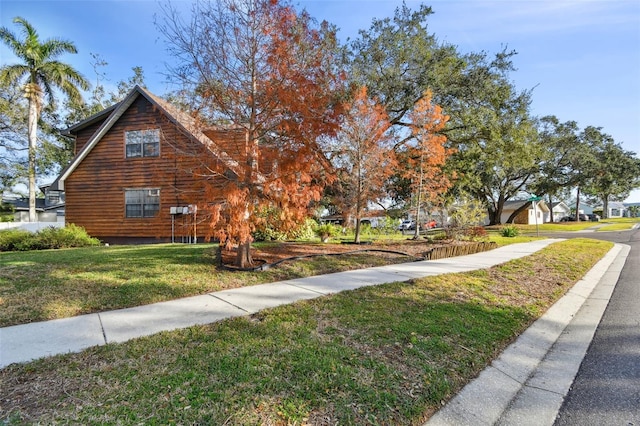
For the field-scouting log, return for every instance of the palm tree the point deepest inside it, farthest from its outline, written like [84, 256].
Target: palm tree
[39, 73]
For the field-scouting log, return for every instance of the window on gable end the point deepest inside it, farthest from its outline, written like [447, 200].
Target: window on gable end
[142, 143]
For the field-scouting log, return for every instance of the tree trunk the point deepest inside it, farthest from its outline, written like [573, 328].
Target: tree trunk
[495, 212]
[357, 236]
[243, 256]
[494, 217]
[550, 209]
[578, 205]
[605, 207]
[416, 234]
[33, 138]
[519, 210]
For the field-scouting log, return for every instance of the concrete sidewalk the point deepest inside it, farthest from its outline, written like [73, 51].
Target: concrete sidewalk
[528, 382]
[27, 342]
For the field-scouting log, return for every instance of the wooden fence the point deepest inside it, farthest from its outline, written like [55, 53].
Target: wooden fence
[461, 250]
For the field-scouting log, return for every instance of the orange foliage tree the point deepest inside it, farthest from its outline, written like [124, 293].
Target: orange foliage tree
[424, 160]
[363, 155]
[268, 74]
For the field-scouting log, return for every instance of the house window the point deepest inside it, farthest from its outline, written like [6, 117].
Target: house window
[142, 202]
[142, 143]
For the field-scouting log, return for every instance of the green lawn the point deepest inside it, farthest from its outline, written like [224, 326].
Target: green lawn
[617, 224]
[50, 284]
[389, 354]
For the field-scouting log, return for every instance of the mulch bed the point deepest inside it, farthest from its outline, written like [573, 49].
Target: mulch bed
[283, 250]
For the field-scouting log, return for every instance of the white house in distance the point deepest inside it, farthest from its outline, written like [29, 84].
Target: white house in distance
[560, 210]
[616, 209]
[529, 216]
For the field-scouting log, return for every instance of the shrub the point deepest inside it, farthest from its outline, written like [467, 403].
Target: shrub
[6, 212]
[268, 233]
[510, 231]
[69, 236]
[476, 233]
[388, 226]
[306, 231]
[326, 231]
[48, 238]
[366, 230]
[12, 239]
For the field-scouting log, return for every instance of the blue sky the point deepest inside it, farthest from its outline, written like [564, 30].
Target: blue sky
[582, 57]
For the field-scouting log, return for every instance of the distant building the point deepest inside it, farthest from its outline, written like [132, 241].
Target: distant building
[528, 216]
[48, 209]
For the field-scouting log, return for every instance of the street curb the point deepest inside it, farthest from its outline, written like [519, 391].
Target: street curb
[528, 382]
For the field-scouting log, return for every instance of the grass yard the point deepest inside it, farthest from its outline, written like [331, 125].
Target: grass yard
[617, 224]
[559, 227]
[387, 355]
[51, 284]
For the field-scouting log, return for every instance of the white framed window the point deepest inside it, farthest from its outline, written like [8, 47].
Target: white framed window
[142, 143]
[140, 203]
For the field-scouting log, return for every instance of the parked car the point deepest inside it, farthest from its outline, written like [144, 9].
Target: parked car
[593, 217]
[406, 225]
[583, 218]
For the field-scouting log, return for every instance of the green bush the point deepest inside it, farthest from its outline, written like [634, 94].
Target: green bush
[69, 236]
[6, 212]
[510, 231]
[326, 231]
[306, 231]
[12, 239]
[268, 233]
[387, 226]
[47, 238]
[366, 230]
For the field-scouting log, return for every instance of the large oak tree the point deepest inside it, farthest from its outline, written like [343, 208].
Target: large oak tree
[613, 172]
[398, 59]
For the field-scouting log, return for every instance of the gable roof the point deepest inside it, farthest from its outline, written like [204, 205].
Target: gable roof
[616, 205]
[516, 204]
[560, 204]
[90, 120]
[174, 114]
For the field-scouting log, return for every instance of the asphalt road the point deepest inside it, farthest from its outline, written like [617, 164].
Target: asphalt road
[606, 390]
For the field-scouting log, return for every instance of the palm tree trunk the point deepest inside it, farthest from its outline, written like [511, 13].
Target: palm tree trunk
[33, 137]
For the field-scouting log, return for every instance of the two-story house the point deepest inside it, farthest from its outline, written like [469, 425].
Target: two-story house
[139, 169]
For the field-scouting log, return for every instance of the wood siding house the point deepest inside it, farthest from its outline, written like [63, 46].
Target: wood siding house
[139, 168]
